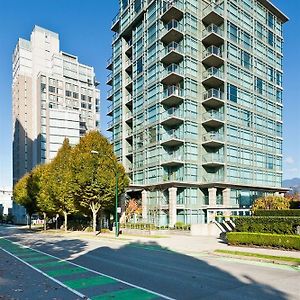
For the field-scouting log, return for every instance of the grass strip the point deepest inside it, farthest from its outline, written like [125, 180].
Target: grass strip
[258, 255]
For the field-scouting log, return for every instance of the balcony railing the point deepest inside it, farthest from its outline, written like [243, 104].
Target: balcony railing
[174, 24]
[109, 94]
[173, 47]
[173, 3]
[213, 93]
[213, 136]
[115, 37]
[172, 134]
[173, 156]
[173, 90]
[128, 132]
[213, 71]
[212, 178]
[128, 115]
[212, 50]
[173, 68]
[172, 112]
[213, 157]
[109, 63]
[213, 114]
[212, 28]
[115, 20]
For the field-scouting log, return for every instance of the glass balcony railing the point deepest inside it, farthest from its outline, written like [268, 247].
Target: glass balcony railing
[173, 68]
[217, 8]
[213, 71]
[110, 124]
[174, 3]
[115, 20]
[128, 115]
[115, 36]
[173, 157]
[109, 94]
[212, 50]
[172, 134]
[172, 112]
[174, 24]
[212, 28]
[213, 114]
[213, 158]
[213, 93]
[129, 149]
[173, 47]
[173, 90]
[109, 63]
[129, 132]
[110, 108]
[213, 136]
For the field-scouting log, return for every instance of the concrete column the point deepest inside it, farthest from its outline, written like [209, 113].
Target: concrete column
[212, 197]
[144, 205]
[172, 206]
[226, 197]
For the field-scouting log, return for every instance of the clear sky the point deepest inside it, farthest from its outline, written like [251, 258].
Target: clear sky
[84, 29]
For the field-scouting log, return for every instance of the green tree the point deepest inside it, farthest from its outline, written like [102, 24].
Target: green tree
[24, 194]
[95, 168]
[271, 202]
[63, 182]
[44, 193]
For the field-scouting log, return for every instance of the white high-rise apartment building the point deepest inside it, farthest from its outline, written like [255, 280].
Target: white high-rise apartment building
[54, 96]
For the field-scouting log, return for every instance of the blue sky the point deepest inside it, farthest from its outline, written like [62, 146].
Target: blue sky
[84, 29]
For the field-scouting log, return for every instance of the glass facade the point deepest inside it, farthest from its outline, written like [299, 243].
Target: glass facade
[197, 103]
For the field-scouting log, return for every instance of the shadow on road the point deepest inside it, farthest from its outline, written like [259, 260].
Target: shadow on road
[179, 276]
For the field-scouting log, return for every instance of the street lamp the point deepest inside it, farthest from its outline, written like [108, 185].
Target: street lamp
[116, 190]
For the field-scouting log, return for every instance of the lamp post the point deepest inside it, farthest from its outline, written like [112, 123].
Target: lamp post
[116, 191]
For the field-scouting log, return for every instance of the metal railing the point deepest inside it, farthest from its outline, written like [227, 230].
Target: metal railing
[217, 8]
[173, 3]
[213, 93]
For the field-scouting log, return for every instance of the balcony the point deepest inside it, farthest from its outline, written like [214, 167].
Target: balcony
[213, 118]
[128, 117]
[213, 77]
[110, 94]
[213, 57]
[213, 98]
[172, 32]
[109, 79]
[213, 139]
[115, 24]
[172, 54]
[172, 96]
[211, 178]
[129, 150]
[213, 160]
[172, 160]
[213, 13]
[128, 49]
[128, 84]
[172, 138]
[172, 10]
[110, 125]
[213, 35]
[128, 66]
[115, 37]
[128, 133]
[110, 110]
[173, 74]
[172, 116]
[109, 64]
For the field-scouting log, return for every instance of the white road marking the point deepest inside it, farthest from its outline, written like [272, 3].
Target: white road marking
[90, 270]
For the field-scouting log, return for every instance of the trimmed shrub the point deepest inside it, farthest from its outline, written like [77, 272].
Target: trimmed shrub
[278, 212]
[264, 239]
[279, 225]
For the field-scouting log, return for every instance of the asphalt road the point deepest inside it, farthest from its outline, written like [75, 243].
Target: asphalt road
[144, 270]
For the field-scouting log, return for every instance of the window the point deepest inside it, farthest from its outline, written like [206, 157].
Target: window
[246, 59]
[52, 89]
[139, 66]
[232, 93]
[233, 32]
[270, 20]
[259, 85]
[270, 38]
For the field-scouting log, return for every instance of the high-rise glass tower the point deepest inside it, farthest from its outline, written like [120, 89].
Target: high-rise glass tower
[197, 104]
[54, 96]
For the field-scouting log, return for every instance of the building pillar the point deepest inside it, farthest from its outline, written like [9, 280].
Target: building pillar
[144, 205]
[212, 197]
[172, 206]
[226, 197]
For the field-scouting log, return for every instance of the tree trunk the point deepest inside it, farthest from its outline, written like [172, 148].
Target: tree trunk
[66, 220]
[45, 221]
[29, 225]
[94, 220]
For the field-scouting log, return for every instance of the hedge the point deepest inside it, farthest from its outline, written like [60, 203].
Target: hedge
[264, 239]
[279, 225]
[278, 212]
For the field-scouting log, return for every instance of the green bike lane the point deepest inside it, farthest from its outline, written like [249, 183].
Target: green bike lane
[82, 281]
